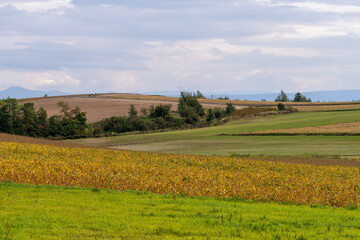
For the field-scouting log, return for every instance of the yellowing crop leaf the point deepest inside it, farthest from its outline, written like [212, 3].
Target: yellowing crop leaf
[180, 174]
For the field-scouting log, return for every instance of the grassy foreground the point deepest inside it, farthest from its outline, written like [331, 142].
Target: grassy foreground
[48, 212]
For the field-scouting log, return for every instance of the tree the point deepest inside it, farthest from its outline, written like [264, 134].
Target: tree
[190, 108]
[71, 123]
[282, 97]
[210, 115]
[28, 119]
[230, 108]
[161, 110]
[301, 98]
[132, 111]
[281, 107]
[10, 121]
[198, 94]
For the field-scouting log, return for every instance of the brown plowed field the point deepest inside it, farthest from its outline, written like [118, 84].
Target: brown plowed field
[104, 106]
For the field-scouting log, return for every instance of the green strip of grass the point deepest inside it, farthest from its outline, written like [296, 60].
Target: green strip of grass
[296, 120]
[48, 212]
[256, 145]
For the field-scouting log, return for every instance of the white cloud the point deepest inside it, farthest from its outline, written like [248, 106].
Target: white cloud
[38, 6]
[325, 7]
[141, 45]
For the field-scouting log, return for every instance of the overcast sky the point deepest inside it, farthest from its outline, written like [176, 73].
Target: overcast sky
[215, 46]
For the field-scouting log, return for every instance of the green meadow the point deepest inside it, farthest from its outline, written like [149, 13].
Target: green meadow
[50, 212]
[208, 141]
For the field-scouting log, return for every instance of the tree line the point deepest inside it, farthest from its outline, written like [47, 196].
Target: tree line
[282, 97]
[26, 120]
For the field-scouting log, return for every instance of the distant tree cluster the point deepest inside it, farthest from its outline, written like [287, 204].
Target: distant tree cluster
[282, 97]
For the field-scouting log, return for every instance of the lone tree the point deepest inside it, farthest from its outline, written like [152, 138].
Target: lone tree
[301, 98]
[282, 97]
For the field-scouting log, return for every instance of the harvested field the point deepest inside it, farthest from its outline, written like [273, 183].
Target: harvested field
[352, 127]
[104, 106]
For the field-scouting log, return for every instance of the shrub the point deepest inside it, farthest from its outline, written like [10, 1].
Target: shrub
[230, 108]
[281, 107]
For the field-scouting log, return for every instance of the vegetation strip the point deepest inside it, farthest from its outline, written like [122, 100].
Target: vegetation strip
[180, 174]
[291, 134]
[50, 212]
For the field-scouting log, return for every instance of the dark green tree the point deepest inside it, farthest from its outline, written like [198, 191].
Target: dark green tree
[282, 97]
[132, 111]
[301, 98]
[281, 107]
[230, 108]
[189, 108]
[161, 110]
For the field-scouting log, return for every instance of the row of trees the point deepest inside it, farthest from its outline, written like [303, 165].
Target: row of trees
[25, 120]
[190, 113]
[282, 97]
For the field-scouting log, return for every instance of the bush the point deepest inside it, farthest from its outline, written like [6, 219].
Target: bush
[281, 107]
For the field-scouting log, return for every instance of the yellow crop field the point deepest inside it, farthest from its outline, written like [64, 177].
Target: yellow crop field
[180, 174]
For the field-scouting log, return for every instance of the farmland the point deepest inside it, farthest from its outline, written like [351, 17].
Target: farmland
[100, 106]
[225, 180]
[50, 212]
[223, 139]
[180, 174]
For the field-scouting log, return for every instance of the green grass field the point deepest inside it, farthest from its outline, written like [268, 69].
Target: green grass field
[49, 212]
[206, 141]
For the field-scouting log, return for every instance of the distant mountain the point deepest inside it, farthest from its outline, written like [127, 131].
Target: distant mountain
[19, 92]
[322, 96]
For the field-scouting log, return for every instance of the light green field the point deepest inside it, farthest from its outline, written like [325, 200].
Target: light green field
[206, 141]
[47, 212]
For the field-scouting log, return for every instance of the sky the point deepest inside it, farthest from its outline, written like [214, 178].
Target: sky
[85, 46]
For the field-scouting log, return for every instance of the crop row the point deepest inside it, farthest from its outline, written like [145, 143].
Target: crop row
[180, 174]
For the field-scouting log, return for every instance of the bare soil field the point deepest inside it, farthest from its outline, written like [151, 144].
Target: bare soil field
[103, 106]
[352, 127]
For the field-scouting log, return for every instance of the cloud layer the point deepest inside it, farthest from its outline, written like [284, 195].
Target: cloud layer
[143, 46]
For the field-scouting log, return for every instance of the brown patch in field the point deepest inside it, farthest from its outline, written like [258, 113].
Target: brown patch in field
[352, 127]
[22, 139]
